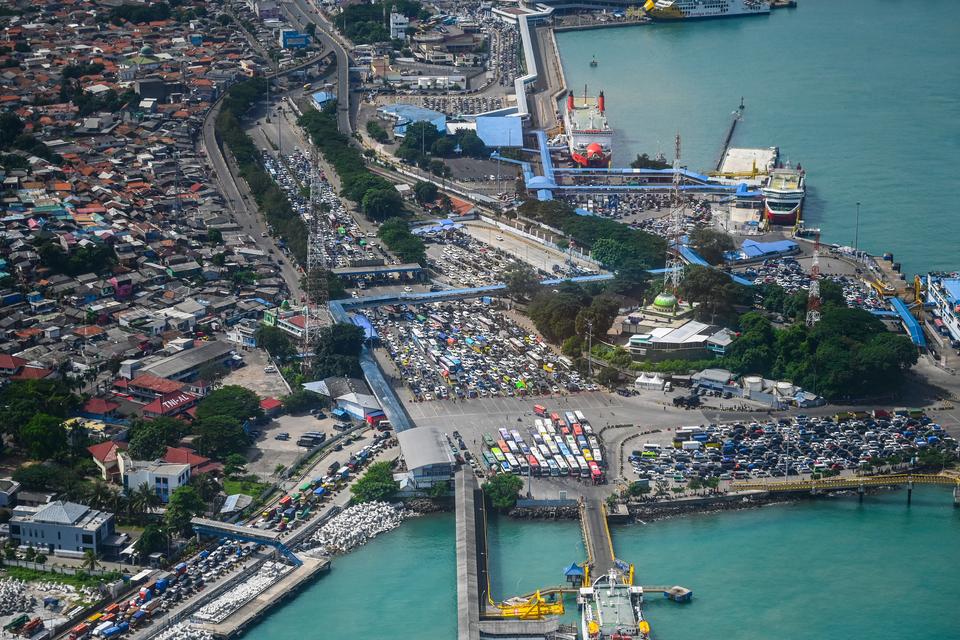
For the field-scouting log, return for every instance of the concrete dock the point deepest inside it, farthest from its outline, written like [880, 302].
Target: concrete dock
[468, 591]
[252, 611]
[596, 536]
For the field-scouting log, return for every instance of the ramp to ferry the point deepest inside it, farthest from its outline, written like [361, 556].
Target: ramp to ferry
[207, 527]
[596, 536]
[468, 575]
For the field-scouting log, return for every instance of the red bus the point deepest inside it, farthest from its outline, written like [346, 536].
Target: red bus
[555, 418]
[534, 465]
[595, 473]
[285, 500]
[540, 410]
[577, 429]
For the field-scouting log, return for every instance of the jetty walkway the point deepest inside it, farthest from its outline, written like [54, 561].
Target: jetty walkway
[596, 537]
[854, 483]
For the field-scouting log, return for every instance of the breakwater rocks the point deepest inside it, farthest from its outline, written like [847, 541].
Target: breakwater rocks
[356, 526]
[661, 509]
[427, 505]
[565, 512]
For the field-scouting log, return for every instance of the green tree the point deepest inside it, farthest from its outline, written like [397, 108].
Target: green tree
[43, 436]
[214, 236]
[205, 485]
[555, 313]
[302, 400]
[522, 280]
[608, 377]
[149, 438]
[572, 347]
[220, 435]
[234, 464]
[377, 484]
[380, 204]
[471, 145]
[152, 539]
[599, 315]
[715, 291]
[232, 401]
[142, 501]
[90, 560]
[184, 504]
[711, 243]
[23, 399]
[276, 342]
[11, 126]
[502, 490]
[425, 191]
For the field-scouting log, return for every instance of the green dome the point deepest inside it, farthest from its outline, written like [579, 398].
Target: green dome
[665, 300]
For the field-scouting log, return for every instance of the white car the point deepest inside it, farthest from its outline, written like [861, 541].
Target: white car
[270, 369]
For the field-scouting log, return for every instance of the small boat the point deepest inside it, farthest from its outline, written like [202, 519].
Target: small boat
[593, 62]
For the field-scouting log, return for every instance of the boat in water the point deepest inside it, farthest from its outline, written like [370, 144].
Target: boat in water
[783, 196]
[611, 610]
[593, 62]
[695, 9]
[588, 134]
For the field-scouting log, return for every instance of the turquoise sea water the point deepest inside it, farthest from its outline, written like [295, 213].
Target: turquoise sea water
[830, 569]
[865, 94]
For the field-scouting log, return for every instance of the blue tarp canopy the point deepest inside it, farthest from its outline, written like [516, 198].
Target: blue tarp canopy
[573, 570]
[754, 249]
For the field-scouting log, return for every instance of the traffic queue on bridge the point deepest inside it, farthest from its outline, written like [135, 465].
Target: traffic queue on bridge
[815, 446]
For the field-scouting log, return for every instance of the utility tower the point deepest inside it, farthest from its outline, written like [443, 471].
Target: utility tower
[317, 290]
[813, 300]
[674, 263]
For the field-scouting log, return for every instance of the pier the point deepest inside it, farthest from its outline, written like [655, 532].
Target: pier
[596, 537]
[855, 483]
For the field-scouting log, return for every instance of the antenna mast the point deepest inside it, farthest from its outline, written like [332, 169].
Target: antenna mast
[813, 299]
[674, 263]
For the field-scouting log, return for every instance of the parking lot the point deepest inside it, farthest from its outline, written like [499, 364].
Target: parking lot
[258, 375]
[786, 447]
[467, 349]
[267, 451]
[790, 274]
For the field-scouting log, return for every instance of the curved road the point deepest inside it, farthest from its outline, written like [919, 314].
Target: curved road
[302, 13]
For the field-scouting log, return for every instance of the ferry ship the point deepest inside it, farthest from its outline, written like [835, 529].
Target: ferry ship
[611, 609]
[693, 9]
[783, 196]
[588, 134]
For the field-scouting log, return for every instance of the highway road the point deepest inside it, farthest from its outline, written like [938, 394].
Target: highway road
[300, 12]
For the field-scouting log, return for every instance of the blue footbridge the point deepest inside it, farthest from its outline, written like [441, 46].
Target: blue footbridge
[217, 529]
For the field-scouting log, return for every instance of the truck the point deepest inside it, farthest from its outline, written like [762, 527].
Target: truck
[80, 631]
[691, 445]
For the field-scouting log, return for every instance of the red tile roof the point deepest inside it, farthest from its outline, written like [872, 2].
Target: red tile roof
[155, 384]
[11, 362]
[100, 406]
[269, 404]
[32, 373]
[106, 451]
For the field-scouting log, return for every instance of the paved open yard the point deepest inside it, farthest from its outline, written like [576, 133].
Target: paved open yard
[267, 452]
[253, 376]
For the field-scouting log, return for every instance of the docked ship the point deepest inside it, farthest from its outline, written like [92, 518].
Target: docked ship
[694, 9]
[588, 134]
[783, 196]
[611, 610]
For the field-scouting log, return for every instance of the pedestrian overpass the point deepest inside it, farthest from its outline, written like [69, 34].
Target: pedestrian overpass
[215, 528]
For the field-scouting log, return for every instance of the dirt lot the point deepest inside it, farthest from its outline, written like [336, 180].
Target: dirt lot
[253, 376]
[267, 452]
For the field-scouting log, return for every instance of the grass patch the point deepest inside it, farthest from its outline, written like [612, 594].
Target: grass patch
[253, 489]
[81, 579]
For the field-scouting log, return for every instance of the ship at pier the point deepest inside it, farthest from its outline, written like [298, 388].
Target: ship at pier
[588, 134]
[694, 9]
[611, 609]
[783, 196]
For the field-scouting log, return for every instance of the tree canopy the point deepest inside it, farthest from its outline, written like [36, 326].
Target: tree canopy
[232, 401]
[377, 484]
[522, 280]
[43, 436]
[711, 243]
[554, 314]
[276, 342]
[184, 503]
[149, 438]
[395, 233]
[502, 490]
[22, 399]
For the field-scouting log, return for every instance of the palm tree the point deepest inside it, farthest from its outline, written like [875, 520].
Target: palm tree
[206, 485]
[99, 495]
[142, 501]
[90, 560]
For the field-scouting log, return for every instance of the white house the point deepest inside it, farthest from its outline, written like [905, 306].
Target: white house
[163, 477]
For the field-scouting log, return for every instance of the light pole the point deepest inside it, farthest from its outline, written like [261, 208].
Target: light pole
[856, 237]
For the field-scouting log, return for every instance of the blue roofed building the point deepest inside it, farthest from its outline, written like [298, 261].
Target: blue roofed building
[321, 98]
[403, 115]
[943, 294]
[500, 131]
[751, 250]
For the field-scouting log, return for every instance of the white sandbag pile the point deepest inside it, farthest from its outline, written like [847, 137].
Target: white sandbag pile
[356, 526]
[218, 610]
